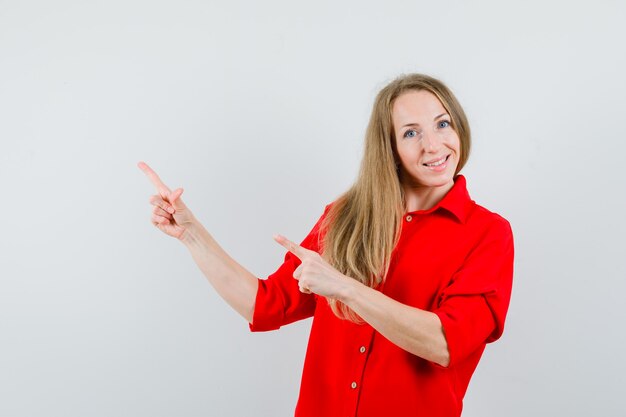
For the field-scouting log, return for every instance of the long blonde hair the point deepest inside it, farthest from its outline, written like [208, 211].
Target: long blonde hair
[362, 226]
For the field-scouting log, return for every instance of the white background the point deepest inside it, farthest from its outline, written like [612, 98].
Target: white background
[258, 110]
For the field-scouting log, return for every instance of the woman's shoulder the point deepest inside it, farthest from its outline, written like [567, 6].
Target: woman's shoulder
[323, 216]
[484, 218]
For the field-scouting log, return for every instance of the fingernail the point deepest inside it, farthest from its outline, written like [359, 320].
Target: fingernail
[171, 210]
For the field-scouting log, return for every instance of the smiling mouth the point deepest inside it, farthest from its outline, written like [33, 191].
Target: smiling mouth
[437, 162]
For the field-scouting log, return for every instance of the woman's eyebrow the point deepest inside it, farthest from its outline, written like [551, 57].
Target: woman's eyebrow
[417, 124]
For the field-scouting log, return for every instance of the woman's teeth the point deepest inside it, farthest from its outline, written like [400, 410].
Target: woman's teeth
[437, 163]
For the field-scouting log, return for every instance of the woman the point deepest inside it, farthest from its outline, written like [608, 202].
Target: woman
[406, 277]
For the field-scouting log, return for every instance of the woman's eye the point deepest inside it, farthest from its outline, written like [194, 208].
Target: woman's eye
[410, 134]
[444, 123]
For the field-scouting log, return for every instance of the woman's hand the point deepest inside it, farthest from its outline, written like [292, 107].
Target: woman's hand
[170, 214]
[315, 275]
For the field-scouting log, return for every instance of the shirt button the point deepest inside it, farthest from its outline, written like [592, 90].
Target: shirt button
[353, 385]
[362, 349]
[409, 218]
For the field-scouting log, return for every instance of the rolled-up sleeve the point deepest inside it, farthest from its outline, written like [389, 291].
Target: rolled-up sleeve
[473, 307]
[278, 299]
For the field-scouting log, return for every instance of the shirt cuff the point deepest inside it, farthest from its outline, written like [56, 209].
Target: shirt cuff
[262, 319]
[466, 326]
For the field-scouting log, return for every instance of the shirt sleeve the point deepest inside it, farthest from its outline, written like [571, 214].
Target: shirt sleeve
[278, 299]
[473, 307]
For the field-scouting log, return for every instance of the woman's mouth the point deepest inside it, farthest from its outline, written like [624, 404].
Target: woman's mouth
[438, 164]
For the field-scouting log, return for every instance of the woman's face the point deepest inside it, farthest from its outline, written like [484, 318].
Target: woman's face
[427, 145]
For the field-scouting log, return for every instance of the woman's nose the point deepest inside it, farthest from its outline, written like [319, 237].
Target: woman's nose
[431, 142]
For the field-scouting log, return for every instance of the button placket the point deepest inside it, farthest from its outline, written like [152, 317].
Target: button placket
[362, 351]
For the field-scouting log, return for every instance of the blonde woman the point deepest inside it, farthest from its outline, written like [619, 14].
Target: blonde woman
[406, 277]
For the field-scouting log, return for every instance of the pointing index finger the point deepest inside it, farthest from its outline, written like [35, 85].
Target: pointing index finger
[154, 178]
[292, 247]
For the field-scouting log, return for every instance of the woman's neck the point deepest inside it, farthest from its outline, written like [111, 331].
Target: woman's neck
[419, 197]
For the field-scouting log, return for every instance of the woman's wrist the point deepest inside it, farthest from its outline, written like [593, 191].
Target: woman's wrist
[350, 290]
[194, 234]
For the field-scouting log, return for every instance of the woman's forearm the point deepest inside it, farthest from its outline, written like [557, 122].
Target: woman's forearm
[235, 284]
[414, 330]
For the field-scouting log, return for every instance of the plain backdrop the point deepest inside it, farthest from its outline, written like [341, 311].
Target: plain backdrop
[258, 110]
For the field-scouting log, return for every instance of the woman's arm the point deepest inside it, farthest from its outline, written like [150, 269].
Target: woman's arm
[236, 285]
[417, 331]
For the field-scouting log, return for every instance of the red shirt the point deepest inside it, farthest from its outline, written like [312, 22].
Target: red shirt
[455, 260]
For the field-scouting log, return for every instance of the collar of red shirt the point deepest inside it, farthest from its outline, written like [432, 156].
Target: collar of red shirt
[457, 201]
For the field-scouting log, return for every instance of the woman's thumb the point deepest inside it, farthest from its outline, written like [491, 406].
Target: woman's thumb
[175, 200]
